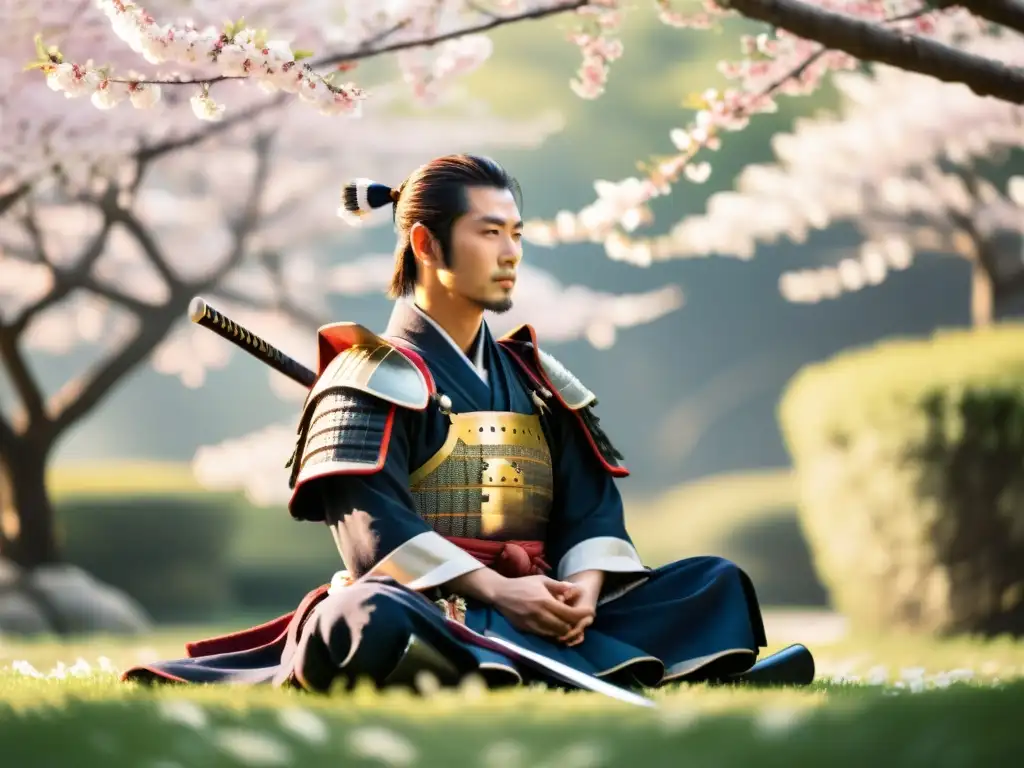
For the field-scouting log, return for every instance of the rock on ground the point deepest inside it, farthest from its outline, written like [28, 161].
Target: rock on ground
[64, 599]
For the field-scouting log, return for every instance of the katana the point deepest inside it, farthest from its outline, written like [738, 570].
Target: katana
[201, 313]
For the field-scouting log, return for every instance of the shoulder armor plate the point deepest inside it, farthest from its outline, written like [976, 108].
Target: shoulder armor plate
[543, 368]
[346, 420]
[352, 357]
[570, 389]
[344, 432]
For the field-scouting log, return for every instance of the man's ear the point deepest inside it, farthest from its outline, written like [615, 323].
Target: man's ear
[425, 246]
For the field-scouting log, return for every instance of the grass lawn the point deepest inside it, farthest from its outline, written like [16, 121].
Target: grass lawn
[890, 702]
[878, 702]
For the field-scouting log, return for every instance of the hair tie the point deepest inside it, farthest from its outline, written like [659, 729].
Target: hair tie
[360, 196]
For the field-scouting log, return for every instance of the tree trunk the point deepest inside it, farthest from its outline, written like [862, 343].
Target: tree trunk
[983, 296]
[27, 521]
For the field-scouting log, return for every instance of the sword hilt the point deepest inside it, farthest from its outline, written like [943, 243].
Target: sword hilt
[201, 313]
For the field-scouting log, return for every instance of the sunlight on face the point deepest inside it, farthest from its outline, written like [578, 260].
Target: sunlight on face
[486, 249]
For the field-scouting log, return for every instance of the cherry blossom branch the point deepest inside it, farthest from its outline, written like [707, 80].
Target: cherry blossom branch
[65, 280]
[244, 225]
[622, 206]
[366, 50]
[240, 53]
[493, 22]
[123, 300]
[208, 131]
[150, 247]
[867, 41]
[82, 394]
[11, 198]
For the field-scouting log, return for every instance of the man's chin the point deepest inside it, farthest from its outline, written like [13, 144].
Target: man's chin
[498, 306]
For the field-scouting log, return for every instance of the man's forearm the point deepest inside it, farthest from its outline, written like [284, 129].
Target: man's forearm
[483, 584]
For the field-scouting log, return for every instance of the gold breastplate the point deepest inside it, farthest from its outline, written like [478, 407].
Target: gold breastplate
[492, 478]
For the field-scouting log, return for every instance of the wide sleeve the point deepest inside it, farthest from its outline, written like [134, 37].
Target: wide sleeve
[588, 529]
[376, 527]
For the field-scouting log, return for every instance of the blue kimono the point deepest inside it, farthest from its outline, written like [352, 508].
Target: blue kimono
[427, 465]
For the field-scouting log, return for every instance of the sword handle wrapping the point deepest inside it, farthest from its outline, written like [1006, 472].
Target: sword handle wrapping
[203, 314]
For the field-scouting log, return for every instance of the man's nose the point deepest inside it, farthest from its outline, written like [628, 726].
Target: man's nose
[511, 253]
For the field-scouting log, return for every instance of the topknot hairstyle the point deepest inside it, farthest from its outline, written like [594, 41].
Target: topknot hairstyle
[434, 195]
[360, 196]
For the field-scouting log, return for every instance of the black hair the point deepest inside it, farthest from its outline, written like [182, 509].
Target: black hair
[435, 196]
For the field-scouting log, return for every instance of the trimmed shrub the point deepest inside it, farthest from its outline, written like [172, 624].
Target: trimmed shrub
[747, 517]
[185, 553]
[910, 464]
[168, 551]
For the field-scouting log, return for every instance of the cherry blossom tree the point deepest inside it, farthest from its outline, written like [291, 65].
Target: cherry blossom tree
[902, 161]
[111, 219]
[807, 41]
[112, 60]
[811, 41]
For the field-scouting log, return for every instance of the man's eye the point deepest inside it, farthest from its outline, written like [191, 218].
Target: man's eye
[492, 232]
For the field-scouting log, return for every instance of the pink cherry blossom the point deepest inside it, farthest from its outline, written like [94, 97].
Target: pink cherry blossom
[771, 65]
[113, 215]
[898, 162]
[147, 156]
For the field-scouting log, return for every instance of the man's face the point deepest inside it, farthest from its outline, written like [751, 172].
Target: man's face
[486, 249]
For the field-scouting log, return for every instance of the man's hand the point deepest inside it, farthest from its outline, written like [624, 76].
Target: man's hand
[541, 605]
[589, 584]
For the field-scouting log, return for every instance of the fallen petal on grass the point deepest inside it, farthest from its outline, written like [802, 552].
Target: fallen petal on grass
[504, 754]
[303, 724]
[252, 747]
[776, 721]
[383, 744]
[182, 712]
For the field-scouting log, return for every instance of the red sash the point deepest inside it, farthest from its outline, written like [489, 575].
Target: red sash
[509, 558]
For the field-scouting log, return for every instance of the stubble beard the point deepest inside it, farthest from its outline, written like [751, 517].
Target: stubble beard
[497, 306]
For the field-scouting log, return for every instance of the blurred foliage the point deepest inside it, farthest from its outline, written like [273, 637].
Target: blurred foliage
[190, 555]
[910, 459]
[747, 517]
[186, 554]
[168, 551]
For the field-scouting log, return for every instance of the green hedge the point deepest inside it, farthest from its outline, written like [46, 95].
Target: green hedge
[910, 463]
[194, 556]
[747, 517]
[169, 552]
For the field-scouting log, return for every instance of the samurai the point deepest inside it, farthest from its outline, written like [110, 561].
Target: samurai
[473, 495]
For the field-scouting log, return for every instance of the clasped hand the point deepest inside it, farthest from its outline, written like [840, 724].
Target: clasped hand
[546, 607]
